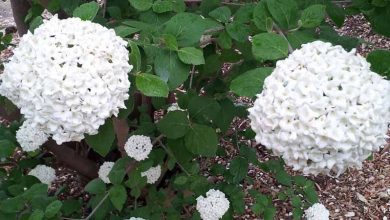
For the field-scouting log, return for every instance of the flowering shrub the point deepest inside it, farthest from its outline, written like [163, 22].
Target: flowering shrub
[148, 149]
[322, 109]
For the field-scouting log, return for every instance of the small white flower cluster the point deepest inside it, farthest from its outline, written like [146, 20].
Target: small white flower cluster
[322, 109]
[104, 170]
[214, 206]
[135, 218]
[152, 174]
[174, 107]
[317, 212]
[68, 77]
[44, 173]
[138, 147]
[30, 137]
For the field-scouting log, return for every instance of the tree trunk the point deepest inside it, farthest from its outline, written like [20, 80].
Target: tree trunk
[20, 9]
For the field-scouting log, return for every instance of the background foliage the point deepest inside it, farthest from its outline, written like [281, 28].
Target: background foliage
[206, 55]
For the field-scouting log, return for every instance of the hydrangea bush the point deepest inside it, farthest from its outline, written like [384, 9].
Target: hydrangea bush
[135, 95]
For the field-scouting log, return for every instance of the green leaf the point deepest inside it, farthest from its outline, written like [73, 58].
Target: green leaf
[297, 213]
[151, 85]
[379, 20]
[261, 16]
[96, 186]
[297, 38]
[238, 31]
[86, 11]
[191, 55]
[70, 206]
[251, 82]
[284, 12]
[329, 34]
[296, 202]
[203, 109]
[135, 56]
[6, 148]
[222, 14]
[12, 205]
[201, 140]
[224, 40]
[53, 208]
[188, 28]
[125, 112]
[141, 5]
[313, 16]
[283, 178]
[269, 46]
[310, 194]
[36, 215]
[118, 171]
[168, 66]
[36, 190]
[238, 168]
[170, 42]
[118, 196]
[336, 13]
[162, 6]
[180, 180]
[269, 213]
[124, 31]
[36, 22]
[380, 62]
[226, 114]
[174, 125]
[102, 141]
[115, 12]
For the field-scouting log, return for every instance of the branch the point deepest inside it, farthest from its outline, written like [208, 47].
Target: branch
[73, 160]
[97, 207]
[290, 49]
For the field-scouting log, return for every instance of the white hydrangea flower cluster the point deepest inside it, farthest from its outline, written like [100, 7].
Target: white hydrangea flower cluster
[214, 206]
[104, 170]
[152, 174]
[322, 109]
[138, 147]
[30, 137]
[68, 77]
[44, 173]
[317, 212]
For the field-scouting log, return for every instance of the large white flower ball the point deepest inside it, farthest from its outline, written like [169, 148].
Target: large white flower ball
[322, 109]
[68, 77]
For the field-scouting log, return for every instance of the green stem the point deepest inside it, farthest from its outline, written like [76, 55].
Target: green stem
[97, 207]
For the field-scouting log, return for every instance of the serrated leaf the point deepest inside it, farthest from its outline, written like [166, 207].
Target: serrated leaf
[86, 11]
[141, 5]
[313, 15]
[203, 109]
[284, 12]
[222, 14]
[53, 208]
[191, 55]
[261, 16]
[174, 125]
[135, 56]
[238, 31]
[297, 38]
[170, 42]
[36, 215]
[269, 46]
[102, 141]
[151, 85]
[162, 6]
[168, 66]
[251, 82]
[201, 140]
[118, 196]
[238, 168]
[96, 186]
